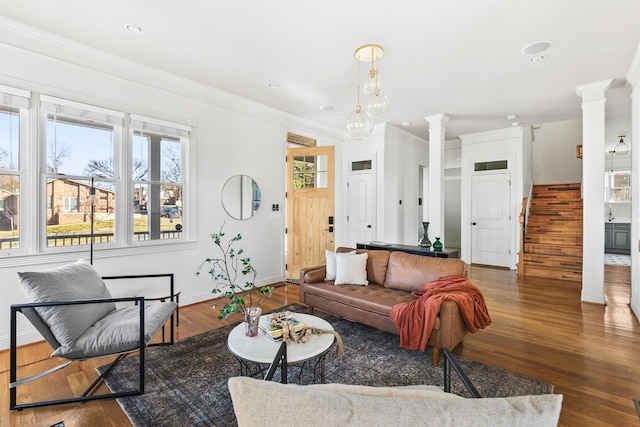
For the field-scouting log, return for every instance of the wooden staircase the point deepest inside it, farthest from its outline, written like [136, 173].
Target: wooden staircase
[553, 235]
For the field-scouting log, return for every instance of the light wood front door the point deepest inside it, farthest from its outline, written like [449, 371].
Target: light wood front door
[310, 207]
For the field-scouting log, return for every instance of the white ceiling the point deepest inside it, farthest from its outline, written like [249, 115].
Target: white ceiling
[458, 57]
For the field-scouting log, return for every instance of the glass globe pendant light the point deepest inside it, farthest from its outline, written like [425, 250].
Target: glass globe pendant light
[376, 105]
[358, 124]
[372, 83]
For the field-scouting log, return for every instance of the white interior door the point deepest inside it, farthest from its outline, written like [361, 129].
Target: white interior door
[490, 218]
[360, 208]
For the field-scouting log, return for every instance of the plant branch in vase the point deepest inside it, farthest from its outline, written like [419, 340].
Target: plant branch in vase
[225, 270]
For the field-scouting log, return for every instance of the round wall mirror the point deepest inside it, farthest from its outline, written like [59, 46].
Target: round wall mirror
[241, 197]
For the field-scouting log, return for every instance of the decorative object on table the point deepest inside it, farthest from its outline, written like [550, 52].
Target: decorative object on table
[251, 321]
[424, 240]
[437, 245]
[224, 271]
[276, 324]
[292, 332]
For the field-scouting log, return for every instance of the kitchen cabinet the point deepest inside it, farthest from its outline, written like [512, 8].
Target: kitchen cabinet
[617, 238]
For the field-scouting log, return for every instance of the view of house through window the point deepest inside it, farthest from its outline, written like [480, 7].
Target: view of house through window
[9, 177]
[101, 176]
[78, 149]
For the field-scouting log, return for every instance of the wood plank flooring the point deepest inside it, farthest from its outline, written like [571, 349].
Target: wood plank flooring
[540, 329]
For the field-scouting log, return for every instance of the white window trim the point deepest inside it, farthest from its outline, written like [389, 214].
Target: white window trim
[33, 249]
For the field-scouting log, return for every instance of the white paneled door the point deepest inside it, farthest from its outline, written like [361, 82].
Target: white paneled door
[360, 208]
[490, 219]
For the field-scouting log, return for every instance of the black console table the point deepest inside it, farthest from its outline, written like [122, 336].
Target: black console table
[417, 250]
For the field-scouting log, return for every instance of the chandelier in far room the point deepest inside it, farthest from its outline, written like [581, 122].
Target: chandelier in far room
[621, 148]
[359, 122]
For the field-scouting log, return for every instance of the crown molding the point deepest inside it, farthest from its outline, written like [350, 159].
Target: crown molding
[633, 75]
[49, 45]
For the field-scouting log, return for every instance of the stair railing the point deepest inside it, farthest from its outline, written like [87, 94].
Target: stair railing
[523, 219]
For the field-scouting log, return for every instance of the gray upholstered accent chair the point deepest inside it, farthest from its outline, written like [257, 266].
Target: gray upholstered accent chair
[75, 313]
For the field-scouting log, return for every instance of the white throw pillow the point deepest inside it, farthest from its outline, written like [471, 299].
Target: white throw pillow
[330, 256]
[351, 269]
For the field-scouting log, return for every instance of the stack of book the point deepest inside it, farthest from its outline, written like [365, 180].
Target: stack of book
[275, 332]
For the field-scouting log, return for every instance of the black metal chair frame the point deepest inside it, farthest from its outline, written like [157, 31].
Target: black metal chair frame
[14, 382]
[449, 363]
[280, 360]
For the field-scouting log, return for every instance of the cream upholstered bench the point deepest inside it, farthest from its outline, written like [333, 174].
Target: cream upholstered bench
[265, 403]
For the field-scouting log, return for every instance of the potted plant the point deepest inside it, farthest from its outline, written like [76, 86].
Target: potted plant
[225, 270]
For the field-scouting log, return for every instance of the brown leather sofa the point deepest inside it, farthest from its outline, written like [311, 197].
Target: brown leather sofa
[392, 276]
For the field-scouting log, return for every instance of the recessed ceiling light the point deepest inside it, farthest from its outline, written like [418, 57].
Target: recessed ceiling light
[338, 111]
[535, 48]
[511, 117]
[327, 107]
[514, 124]
[274, 86]
[133, 28]
[538, 58]
[405, 124]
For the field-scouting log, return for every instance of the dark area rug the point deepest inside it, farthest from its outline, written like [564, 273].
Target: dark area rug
[186, 384]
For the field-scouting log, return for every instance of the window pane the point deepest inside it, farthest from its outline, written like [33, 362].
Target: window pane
[140, 153]
[157, 187]
[309, 164]
[157, 212]
[69, 215]
[79, 148]
[323, 162]
[322, 181]
[9, 138]
[9, 211]
[171, 164]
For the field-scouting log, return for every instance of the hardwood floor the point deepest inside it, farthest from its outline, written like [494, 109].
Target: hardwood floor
[540, 329]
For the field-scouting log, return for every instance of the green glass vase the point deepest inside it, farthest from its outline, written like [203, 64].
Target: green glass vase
[437, 245]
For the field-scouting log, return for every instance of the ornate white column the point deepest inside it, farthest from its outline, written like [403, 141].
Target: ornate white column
[593, 218]
[436, 175]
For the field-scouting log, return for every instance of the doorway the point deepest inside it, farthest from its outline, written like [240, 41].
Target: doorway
[361, 202]
[490, 219]
[310, 207]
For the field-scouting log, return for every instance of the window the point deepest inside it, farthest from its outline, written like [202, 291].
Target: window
[70, 204]
[91, 163]
[13, 113]
[310, 171]
[491, 166]
[80, 151]
[157, 171]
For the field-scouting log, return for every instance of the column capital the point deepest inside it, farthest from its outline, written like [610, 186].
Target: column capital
[437, 120]
[593, 91]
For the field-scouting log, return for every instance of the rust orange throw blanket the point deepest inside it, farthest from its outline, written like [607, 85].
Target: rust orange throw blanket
[415, 319]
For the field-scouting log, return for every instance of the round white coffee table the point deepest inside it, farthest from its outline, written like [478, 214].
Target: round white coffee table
[254, 353]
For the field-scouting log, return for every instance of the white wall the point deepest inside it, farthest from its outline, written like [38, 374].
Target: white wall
[554, 152]
[398, 154]
[243, 138]
[405, 153]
